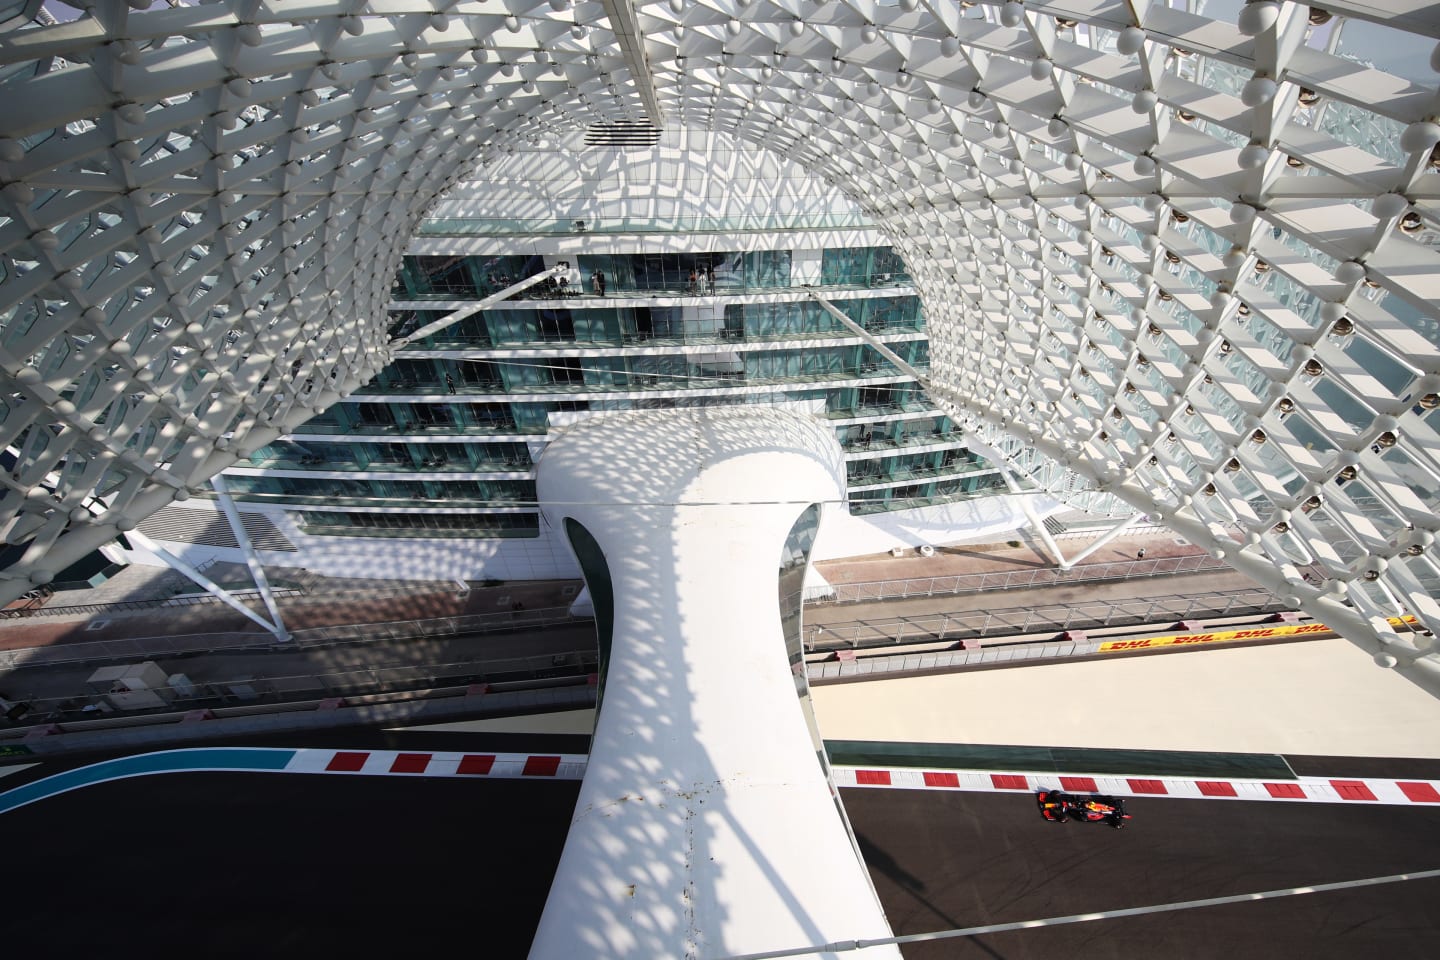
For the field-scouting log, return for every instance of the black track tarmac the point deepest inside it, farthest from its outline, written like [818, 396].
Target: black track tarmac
[281, 865]
[228, 864]
[948, 860]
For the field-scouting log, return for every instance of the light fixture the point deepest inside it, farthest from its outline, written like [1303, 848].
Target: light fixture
[1130, 41]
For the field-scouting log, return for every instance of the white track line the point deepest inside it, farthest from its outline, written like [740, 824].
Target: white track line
[849, 945]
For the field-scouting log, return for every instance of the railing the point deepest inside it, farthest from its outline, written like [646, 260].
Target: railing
[925, 474]
[133, 649]
[860, 505]
[119, 606]
[902, 661]
[1056, 618]
[424, 469]
[147, 648]
[437, 626]
[822, 219]
[928, 438]
[1009, 580]
[259, 690]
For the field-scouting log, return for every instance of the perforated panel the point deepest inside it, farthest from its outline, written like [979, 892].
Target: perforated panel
[1180, 254]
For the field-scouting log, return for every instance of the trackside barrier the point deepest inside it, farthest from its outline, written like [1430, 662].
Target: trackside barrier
[157, 648]
[1223, 636]
[122, 606]
[498, 699]
[1055, 617]
[950, 659]
[256, 689]
[1057, 650]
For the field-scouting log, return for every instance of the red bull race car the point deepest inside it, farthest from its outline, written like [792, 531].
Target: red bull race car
[1060, 807]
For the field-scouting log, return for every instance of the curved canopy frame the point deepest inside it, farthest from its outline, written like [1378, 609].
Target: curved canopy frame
[1181, 254]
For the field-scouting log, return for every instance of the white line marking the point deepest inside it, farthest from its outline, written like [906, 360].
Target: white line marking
[848, 945]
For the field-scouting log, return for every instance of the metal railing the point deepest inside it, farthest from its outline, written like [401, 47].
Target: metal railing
[437, 626]
[120, 606]
[260, 689]
[1009, 580]
[147, 648]
[1051, 618]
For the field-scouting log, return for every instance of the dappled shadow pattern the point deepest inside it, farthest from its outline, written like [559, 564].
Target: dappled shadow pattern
[704, 826]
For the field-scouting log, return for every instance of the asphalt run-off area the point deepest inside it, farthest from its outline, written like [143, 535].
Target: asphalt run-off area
[252, 864]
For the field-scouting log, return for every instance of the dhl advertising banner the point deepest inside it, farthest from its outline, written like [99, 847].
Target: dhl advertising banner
[1223, 636]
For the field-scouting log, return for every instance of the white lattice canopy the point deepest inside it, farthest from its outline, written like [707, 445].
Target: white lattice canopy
[1183, 254]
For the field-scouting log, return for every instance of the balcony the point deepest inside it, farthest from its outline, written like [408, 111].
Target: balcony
[865, 506]
[421, 466]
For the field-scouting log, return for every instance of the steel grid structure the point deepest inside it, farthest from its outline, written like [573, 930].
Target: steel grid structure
[1177, 253]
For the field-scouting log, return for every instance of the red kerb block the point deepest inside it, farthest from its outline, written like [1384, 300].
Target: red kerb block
[874, 778]
[1352, 790]
[1147, 786]
[540, 766]
[347, 762]
[1419, 792]
[476, 764]
[933, 779]
[1008, 781]
[1079, 783]
[1216, 788]
[410, 763]
[1285, 791]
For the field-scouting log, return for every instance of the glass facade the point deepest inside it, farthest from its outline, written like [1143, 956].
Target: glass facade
[459, 416]
[398, 524]
[869, 266]
[469, 278]
[543, 320]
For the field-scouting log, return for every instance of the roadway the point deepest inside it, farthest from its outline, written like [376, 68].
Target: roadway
[1175, 585]
[282, 865]
[949, 860]
[257, 865]
[287, 865]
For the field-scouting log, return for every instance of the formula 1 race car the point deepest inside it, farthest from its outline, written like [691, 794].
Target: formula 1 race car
[1060, 807]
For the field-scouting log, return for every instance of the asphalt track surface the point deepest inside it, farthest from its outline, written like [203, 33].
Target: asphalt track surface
[278, 865]
[290, 865]
[950, 860]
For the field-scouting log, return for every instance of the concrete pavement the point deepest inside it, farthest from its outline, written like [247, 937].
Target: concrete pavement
[1120, 558]
[1001, 556]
